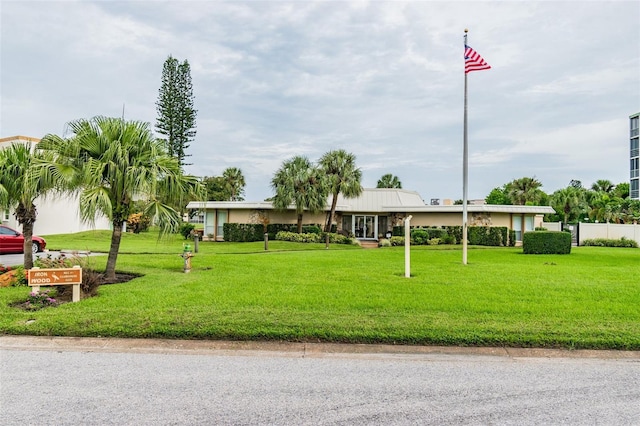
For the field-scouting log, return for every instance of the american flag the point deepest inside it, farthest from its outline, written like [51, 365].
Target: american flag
[473, 61]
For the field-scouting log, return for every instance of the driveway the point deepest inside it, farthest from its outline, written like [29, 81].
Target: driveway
[18, 259]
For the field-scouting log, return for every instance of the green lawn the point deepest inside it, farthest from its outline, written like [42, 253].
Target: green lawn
[302, 292]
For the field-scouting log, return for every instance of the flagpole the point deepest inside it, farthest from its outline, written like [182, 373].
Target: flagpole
[465, 165]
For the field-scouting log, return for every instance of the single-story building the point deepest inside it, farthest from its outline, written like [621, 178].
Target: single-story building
[371, 215]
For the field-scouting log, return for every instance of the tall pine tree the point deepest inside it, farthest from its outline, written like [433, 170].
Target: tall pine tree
[176, 115]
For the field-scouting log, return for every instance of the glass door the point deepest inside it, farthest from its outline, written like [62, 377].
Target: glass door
[364, 226]
[369, 227]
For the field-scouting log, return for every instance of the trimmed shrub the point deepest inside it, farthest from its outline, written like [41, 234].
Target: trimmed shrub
[274, 228]
[243, 232]
[298, 238]
[495, 236]
[448, 239]
[311, 229]
[546, 242]
[419, 237]
[604, 242]
[335, 238]
[313, 237]
[512, 238]
[455, 232]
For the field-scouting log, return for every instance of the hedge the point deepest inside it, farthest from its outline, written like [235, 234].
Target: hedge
[605, 242]
[496, 236]
[546, 242]
[246, 232]
[243, 232]
[312, 237]
[477, 235]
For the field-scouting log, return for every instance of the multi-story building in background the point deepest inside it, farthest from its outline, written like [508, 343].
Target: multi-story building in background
[634, 152]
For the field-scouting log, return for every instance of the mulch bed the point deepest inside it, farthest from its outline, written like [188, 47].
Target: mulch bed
[65, 293]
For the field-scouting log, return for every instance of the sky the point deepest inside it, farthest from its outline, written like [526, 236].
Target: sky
[382, 80]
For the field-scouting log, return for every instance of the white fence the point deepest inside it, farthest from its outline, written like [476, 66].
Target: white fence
[590, 231]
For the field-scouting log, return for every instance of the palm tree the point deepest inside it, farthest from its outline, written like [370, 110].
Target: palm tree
[115, 162]
[567, 202]
[389, 181]
[299, 182]
[21, 182]
[524, 190]
[234, 183]
[603, 185]
[603, 208]
[339, 168]
[621, 190]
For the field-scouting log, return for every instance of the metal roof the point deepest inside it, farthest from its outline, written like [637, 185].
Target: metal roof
[473, 208]
[381, 200]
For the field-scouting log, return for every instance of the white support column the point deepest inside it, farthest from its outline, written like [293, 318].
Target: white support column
[407, 244]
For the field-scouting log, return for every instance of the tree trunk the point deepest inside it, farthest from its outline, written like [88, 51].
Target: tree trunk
[27, 233]
[26, 217]
[332, 213]
[299, 223]
[116, 236]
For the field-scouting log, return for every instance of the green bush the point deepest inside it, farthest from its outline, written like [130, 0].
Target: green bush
[313, 237]
[455, 232]
[397, 241]
[298, 238]
[512, 238]
[243, 232]
[495, 236]
[335, 238]
[186, 228]
[448, 239]
[311, 229]
[433, 241]
[546, 242]
[604, 242]
[437, 233]
[384, 243]
[419, 236]
[274, 228]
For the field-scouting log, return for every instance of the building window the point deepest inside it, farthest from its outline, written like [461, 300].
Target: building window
[5, 216]
[634, 190]
[347, 223]
[634, 167]
[634, 147]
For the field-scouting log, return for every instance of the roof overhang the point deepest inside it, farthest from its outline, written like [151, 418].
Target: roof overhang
[471, 208]
[457, 208]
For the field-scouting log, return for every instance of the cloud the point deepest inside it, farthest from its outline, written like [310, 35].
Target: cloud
[380, 79]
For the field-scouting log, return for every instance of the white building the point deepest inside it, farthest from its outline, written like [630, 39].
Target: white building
[634, 153]
[56, 215]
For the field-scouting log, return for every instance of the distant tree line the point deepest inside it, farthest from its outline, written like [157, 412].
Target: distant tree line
[602, 202]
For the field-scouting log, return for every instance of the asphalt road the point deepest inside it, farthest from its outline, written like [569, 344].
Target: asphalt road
[80, 383]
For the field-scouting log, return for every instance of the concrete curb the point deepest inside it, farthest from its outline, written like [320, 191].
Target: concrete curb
[288, 349]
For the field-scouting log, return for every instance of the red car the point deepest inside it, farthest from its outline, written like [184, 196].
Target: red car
[12, 241]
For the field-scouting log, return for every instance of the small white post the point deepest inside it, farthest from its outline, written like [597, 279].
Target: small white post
[75, 295]
[407, 244]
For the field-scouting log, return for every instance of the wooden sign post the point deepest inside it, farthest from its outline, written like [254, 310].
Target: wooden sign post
[61, 276]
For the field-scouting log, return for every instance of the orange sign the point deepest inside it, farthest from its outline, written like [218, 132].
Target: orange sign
[61, 276]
